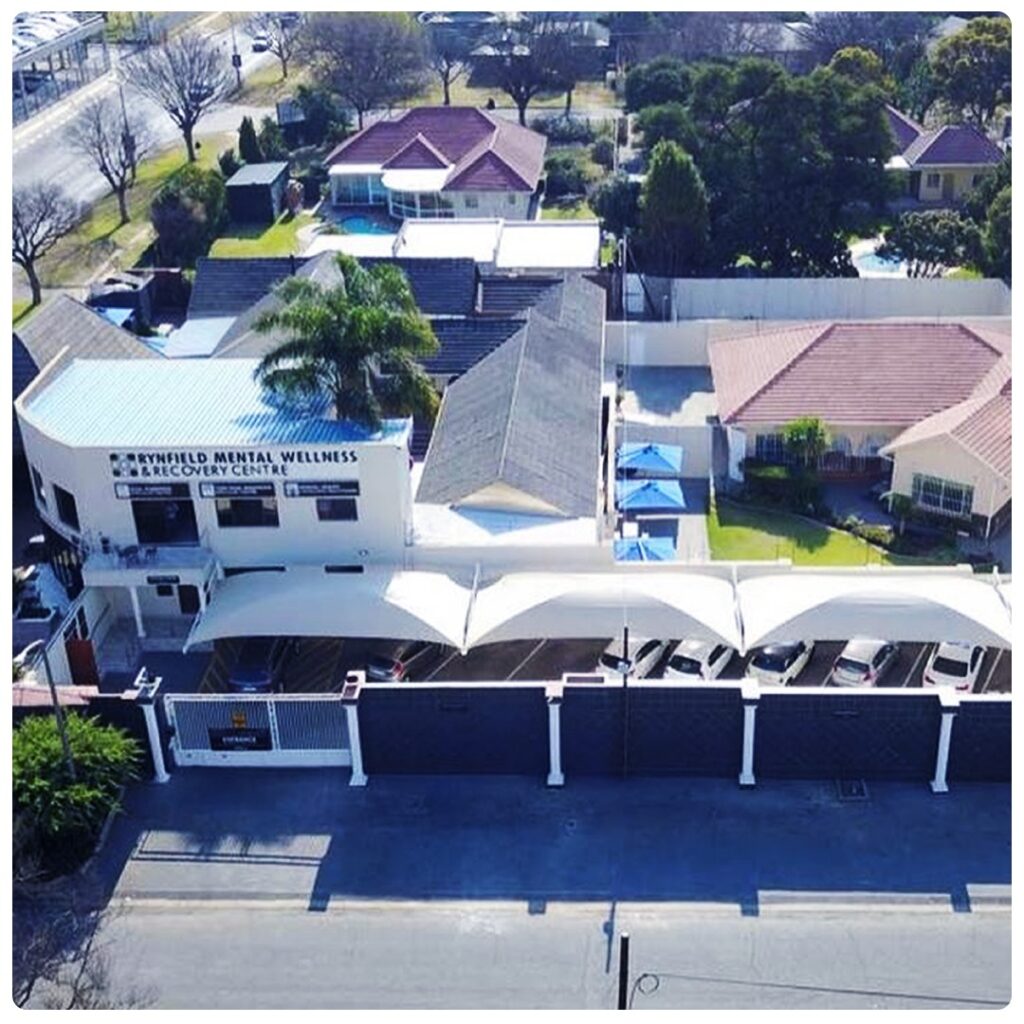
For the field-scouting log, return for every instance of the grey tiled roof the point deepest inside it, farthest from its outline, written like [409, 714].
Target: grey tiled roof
[465, 341]
[510, 294]
[258, 174]
[527, 415]
[952, 144]
[228, 287]
[65, 322]
[441, 287]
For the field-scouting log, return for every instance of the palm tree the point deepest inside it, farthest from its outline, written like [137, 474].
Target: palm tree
[359, 341]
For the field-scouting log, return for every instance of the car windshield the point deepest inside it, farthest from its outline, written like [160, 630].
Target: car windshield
[774, 661]
[381, 661]
[614, 662]
[683, 664]
[949, 667]
[852, 666]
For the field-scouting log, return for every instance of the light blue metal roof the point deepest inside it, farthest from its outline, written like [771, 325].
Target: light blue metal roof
[193, 403]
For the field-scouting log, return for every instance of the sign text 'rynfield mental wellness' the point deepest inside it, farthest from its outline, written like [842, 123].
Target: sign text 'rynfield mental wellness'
[226, 464]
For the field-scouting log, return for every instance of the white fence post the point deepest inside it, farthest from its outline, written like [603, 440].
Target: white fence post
[350, 700]
[949, 701]
[751, 694]
[146, 699]
[554, 692]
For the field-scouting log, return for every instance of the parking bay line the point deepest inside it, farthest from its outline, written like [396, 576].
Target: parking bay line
[991, 671]
[540, 644]
[917, 661]
[441, 666]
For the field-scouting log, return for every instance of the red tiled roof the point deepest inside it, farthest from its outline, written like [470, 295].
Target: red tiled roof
[952, 144]
[904, 129]
[850, 373]
[486, 153]
[417, 154]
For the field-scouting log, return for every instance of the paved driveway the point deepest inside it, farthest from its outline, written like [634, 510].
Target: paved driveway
[259, 834]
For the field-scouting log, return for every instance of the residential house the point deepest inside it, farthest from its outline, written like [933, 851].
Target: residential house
[928, 402]
[441, 162]
[941, 165]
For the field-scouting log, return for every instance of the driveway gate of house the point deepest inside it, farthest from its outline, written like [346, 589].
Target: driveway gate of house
[250, 730]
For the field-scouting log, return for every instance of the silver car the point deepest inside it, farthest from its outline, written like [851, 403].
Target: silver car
[864, 662]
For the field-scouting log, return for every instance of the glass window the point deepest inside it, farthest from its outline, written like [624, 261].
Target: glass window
[352, 190]
[932, 180]
[165, 522]
[403, 204]
[770, 448]
[511, 199]
[37, 486]
[472, 202]
[943, 496]
[336, 509]
[378, 195]
[67, 509]
[247, 512]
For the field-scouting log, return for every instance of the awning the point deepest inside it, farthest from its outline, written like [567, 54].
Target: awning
[929, 608]
[415, 179]
[524, 606]
[650, 459]
[645, 549]
[649, 496]
[307, 601]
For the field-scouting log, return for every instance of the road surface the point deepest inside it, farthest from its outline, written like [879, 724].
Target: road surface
[519, 955]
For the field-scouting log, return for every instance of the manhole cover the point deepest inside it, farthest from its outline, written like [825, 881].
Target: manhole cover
[852, 789]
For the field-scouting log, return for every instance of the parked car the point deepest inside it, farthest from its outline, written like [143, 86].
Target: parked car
[393, 668]
[864, 662]
[200, 93]
[779, 664]
[954, 664]
[260, 44]
[698, 659]
[260, 665]
[638, 661]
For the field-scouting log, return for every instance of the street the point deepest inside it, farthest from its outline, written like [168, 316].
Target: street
[556, 955]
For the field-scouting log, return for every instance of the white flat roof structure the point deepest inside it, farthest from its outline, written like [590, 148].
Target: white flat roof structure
[347, 170]
[308, 601]
[370, 245]
[476, 239]
[416, 179]
[445, 526]
[198, 337]
[540, 244]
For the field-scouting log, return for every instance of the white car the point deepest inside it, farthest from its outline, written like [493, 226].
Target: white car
[698, 659]
[638, 661]
[779, 664]
[864, 662]
[954, 664]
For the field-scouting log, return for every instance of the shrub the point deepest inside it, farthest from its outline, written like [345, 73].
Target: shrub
[228, 162]
[603, 152]
[271, 140]
[249, 149]
[875, 533]
[566, 174]
[662, 80]
[669, 121]
[187, 213]
[617, 202]
[65, 816]
[565, 130]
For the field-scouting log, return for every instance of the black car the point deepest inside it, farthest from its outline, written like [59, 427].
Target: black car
[260, 664]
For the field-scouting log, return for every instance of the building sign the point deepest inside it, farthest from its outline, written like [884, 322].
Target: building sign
[236, 490]
[159, 581]
[321, 489]
[240, 739]
[152, 490]
[227, 464]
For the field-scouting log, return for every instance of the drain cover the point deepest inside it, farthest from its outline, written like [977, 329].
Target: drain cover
[852, 789]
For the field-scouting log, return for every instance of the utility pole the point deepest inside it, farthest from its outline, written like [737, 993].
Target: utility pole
[236, 57]
[623, 971]
[126, 135]
[58, 711]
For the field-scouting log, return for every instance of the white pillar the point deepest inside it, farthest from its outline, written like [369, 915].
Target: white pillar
[202, 597]
[350, 699]
[146, 700]
[554, 698]
[949, 702]
[751, 695]
[139, 628]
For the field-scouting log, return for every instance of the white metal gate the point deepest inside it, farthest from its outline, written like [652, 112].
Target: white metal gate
[249, 730]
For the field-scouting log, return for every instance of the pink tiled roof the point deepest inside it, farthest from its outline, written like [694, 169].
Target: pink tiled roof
[486, 153]
[417, 154]
[851, 373]
[953, 144]
[905, 129]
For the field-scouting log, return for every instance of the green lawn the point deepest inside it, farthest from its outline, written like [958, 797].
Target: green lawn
[276, 240]
[736, 533]
[21, 308]
[580, 210]
[100, 238]
[586, 94]
[964, 274]
[265, 86]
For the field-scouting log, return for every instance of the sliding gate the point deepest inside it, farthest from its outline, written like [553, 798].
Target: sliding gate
[277, 730]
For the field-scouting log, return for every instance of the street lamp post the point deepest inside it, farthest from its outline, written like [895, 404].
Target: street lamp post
[126, 135]
[236, 58]
[58, 711]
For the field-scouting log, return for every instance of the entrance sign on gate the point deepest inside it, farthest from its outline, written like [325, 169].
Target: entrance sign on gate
[240, 739]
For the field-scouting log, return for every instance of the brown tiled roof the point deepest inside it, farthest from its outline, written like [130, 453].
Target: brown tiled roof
[851, 373]
[486, 153]
[952, 144]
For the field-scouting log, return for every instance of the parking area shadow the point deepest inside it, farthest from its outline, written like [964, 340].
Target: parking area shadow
[305, 835]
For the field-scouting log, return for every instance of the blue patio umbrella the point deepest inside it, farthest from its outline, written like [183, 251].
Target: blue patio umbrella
[646, 459]
[649, 496]
[645, 549]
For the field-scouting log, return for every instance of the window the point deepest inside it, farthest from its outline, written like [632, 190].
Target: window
[403, 204]
[472, 202]
[37, 486]
[165, 522]
[944, 497]
[238, 570]
[334, 509]
[770, 448]
[352, 190]
[164, 590]
[512, 199]
[67, 510]
[247, 512]
[976, 180]
[932, 180]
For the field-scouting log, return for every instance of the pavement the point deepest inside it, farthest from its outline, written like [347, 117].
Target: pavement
[305, 837]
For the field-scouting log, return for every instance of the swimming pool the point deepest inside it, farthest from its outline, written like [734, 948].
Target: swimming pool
[875, 264]
[358, 224]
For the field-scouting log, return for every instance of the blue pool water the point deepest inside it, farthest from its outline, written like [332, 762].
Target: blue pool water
[357, 224]
[876, 264]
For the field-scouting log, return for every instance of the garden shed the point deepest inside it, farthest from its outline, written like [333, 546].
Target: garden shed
[256, 192]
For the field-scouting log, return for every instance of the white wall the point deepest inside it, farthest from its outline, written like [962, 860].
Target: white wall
[657, 344]
[963, 182]
[510, 205]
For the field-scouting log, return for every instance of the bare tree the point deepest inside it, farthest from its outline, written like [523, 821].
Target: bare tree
[448, 56]
[114, 141]
[281, 30]
[369, 59]
[185, 74]
[43, 214]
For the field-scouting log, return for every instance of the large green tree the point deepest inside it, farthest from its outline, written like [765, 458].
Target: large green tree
[972, 67]
[669, 121]
[997, 236]
[662, 80]
[617, 202]
[359, 341]
[187, 213]
[930, 242]
[673, 233]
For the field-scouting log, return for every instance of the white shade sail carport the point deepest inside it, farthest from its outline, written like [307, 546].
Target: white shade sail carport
[926, 608]
[524, 606]
[307, 601]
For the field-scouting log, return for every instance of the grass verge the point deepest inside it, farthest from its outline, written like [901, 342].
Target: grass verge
[257, 240]
[578, 210]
